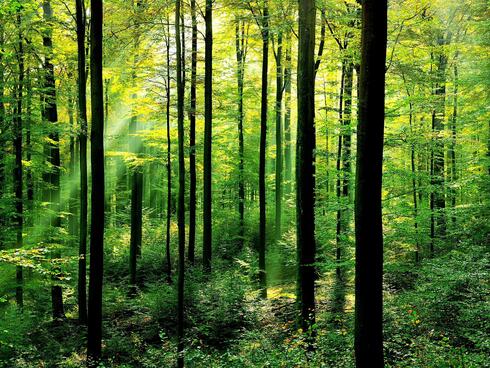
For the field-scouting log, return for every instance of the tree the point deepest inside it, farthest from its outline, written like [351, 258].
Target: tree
[369, 235]
[305, 169]
[287, 115]
[437, 195]
[137, 174]
[18, 182]
[52, 152]
[208, 121]
[181, 200]
[241, 46]
[169, 162]
[262, 20]
[192, 138]
[94, 335]
[279, 150]
[82, 115]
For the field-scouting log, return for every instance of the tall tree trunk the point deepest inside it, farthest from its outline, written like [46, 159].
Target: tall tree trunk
[279, 158]
[3, 127]
[368, 331]
[192, 139]
[98, 187]
[438, 202]
[181, 200]
[136, 176]
[452, 147]
[338, 230]
[82, 115]
[263, 147]
[53, 152]
[169, 162]
[305, 168]
[28, 148]
[414, 186]
[287, 116]
[17, 142]
[208, 121]
[72, 202]
[241, 45]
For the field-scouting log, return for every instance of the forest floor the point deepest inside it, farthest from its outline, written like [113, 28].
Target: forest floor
[436, 314]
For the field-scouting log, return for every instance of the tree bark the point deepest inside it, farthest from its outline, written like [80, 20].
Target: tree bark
[305, 168]
[287, 116]
[169, 162]
[368, 331]
[279, 158]
[17, 173]
[241, 45]
[94, 335]
[437, 199]
[192, 139]
[263, 148]
[52, 149]
[208, 121]
[136, 177]
[3, 127]
[181, 200]
[82, 115]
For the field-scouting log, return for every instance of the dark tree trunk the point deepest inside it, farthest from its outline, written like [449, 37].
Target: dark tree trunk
[17, 174]
[72, 202]
[53, 152]
[136, 177]
[192, 139]
[169, 162]
[181, 200]
[263, 147]
[3, 127]
[438, 201]
[98, 188]
[369, 233]
[241, 51]
[338, 229]
[208, 121]
[287, 117]
[279, 158]
[29, 176]
[82, 115]
[305, 168]
[414, 187]
[452, 147]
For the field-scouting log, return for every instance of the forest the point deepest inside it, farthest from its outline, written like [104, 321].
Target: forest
[244, 183]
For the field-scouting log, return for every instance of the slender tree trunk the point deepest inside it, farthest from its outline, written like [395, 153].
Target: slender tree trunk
[414, 187]
[192, 139]
[263, 148]
[208, 121]
[368, 331]
[240, 56]
[82, 115]
[3, 127]
[338, 230]
[72, 202]
[169, 162]
[181, 200]
[279, 158]
[98, 187]
[17, 142]
[438, 202]
[136, 177]
[29, 176]
[452, 148]
[107, 201]
[287, 116]
[53, 150]
[305, 168]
